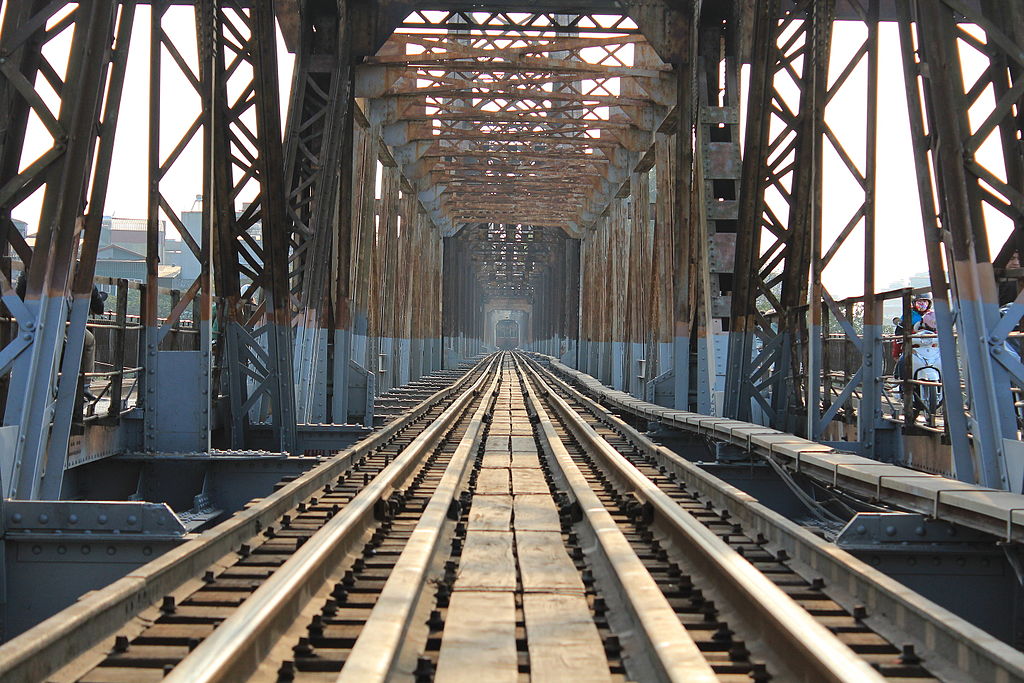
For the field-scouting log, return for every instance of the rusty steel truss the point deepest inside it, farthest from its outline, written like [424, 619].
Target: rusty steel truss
[583, 167]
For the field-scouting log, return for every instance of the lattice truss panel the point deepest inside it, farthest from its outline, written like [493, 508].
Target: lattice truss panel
[789, 78]
[518, 117]
[508, 257]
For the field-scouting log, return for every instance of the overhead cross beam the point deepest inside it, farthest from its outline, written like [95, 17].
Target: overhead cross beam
[503, 118]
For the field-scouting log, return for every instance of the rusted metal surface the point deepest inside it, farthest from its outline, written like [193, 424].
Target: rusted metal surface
[573, 167]
[63, 173]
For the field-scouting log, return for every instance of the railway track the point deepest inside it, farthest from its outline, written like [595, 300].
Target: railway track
[727, 590]
[396, 402]
[508, 526]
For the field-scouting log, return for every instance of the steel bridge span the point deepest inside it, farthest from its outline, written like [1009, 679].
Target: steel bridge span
[511, 339]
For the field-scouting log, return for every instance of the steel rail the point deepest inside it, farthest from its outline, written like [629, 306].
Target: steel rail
[235, 648]
[999, 513]
[807, 649]
[57, 641]
[953, 647]
[386, 647]
[663, 650]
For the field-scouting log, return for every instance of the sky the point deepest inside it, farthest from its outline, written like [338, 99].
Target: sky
[899, 239]
[127, 196]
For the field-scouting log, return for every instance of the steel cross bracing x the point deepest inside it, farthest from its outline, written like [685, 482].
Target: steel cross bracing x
[776, 362]
[252, 248]
[778, 165]
[256, 258]
[72, 175]
[516, 118]
[619, 129]
[967, 188]
[780, 367]
[320, 131]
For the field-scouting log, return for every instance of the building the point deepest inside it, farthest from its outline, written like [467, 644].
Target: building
[129, 233]
[178, 253]
[122, 251]
[135, 269]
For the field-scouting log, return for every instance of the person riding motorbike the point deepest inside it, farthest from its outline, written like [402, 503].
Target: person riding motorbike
[921, 313]
[926, 367]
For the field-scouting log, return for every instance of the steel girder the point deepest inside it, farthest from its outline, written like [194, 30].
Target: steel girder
[715, 199]
[251, 251]
[970, 184]
[780, 199]
[783, 315]
[242, 250]
[163, 159]
[498, 117]
[319, 115]
[43, 358]
[471, 101]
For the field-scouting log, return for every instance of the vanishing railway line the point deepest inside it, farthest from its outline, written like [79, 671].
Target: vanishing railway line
[505, 525]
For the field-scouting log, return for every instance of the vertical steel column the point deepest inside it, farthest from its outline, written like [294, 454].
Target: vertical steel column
[661, 273]
[343, 260]
[808, 208]
[958, 173]
[637, 320]
[148, 346]
[448, 302]
[252, 243]
[434, 334]
[377, 266]
[682, 168]
[187, 428]
[872, 363]
[717, 170]
[805, 238]
[70, 386]
[745, 323]
[572, 302]
[765, 364]
[586, 308]
[365, 150]
[618, 240]
[312, 150]
[965, 462]
[65, 171]
[277, 293]
[388, 231]
[406, 267]
[603, 301]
